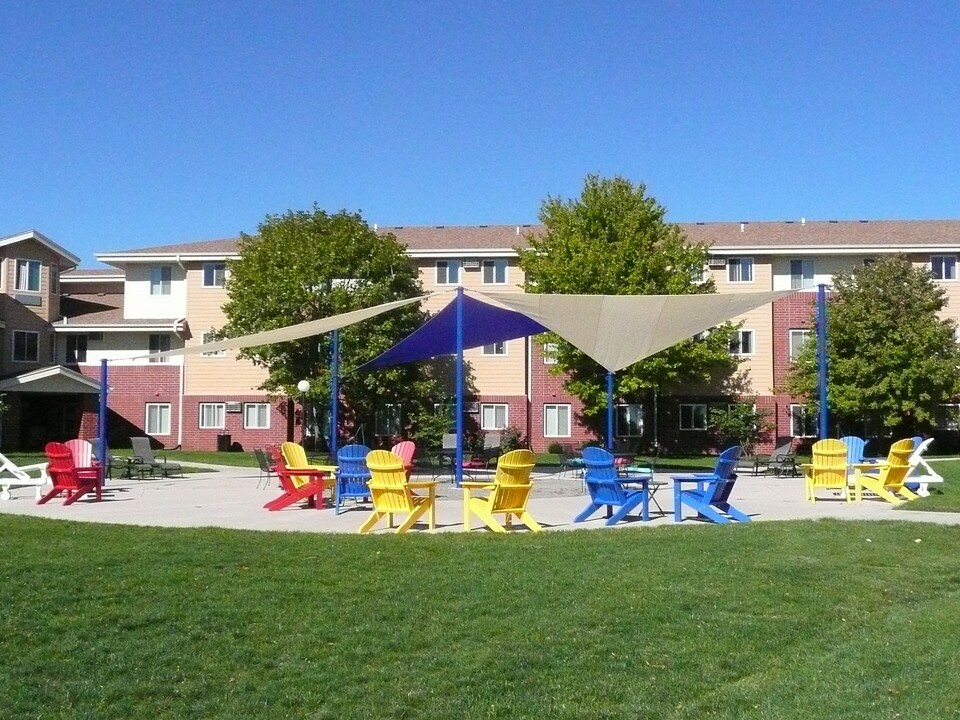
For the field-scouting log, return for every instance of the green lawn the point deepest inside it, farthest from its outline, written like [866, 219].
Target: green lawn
[770, 620]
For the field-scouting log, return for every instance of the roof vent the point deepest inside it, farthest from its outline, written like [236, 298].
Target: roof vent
[440, 227]
[832, 222]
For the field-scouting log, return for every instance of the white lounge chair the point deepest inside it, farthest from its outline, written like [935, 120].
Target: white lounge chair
[920, 471]
[23, 476]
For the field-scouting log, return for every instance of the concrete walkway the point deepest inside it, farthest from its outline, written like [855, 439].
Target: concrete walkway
[230, 498]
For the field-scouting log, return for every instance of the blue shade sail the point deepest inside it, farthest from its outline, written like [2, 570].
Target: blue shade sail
[483, 324]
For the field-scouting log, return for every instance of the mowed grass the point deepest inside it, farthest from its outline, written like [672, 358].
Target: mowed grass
[821, 619]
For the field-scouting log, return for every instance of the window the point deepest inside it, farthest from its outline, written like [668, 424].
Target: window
[158, 418]
[159, 343]
[556, 421]
[26, 346]
[448, 272]
[801, 274]
[948, 417]
[867, 262]
[742, 343]
[52, 347]
[693, 417]
[28, 275]
[212, 415]
[943, 267]
[740, 269]
[798, 338]
[629, 420]
[256, 416]
[803, 423]
[493, 416]
[387, 420]
[549, 353]
[494, 272]
[160, 280]
[209, 337]
[54, 280]
[76, 349]
[499, 348]
[214, 274]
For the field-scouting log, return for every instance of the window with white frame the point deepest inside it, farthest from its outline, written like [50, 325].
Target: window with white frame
[28, 275]
[214, 274]
[209, 337]
[158, 419]
[76, 349]
[549, 353]
[387, 420]
[798, 338]
[256, 416]
[801, 273]
[212, 416]
[943, 267]
[493, 416]
[693, 416]
[556, 420]
[740, 269]
[499, 348]
[448, 272]
[158, 344]
[803, 423]
[160, 279]
[495, 272]
[629, 420]
[26, 346]
[741, 343]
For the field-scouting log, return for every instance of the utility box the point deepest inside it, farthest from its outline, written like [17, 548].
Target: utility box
[223, 442]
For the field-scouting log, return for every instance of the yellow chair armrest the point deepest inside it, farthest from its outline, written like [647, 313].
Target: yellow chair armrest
[419, 484]
[473, 485]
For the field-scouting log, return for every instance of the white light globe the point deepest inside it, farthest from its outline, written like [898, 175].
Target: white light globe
[303, 386]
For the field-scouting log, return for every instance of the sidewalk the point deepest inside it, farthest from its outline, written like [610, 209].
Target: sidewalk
[230, 498]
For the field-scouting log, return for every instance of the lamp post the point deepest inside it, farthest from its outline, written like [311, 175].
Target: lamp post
[303, 387]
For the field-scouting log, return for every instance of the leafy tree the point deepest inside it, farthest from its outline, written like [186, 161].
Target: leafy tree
[740, 423]
[614, 240]
[307, 265]
[892, 359]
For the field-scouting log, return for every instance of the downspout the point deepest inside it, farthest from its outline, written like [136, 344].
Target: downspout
[177, 329]
[529, 391]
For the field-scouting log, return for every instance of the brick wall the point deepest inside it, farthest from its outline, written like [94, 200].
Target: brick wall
[197, 438]
[547, 389]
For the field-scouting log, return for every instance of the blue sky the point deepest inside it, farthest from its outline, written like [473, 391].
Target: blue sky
[129, 124]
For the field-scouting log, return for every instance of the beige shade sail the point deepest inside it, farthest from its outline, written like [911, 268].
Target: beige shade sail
[619, 330]
[291, 332]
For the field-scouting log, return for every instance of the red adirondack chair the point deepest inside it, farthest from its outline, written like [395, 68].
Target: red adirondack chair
[67, 477]
[297, 483]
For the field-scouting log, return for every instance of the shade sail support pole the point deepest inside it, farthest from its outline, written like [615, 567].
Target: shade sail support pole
[102, 414]
[822, 357]
[609, 411]
[458, 456]
[334, 391]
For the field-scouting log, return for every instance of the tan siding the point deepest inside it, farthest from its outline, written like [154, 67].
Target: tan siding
[213, 375]
[498, 375]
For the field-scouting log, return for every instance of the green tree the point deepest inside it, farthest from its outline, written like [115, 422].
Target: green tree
[892, 359]
[614, 240]
[307, 265]
[740, 423]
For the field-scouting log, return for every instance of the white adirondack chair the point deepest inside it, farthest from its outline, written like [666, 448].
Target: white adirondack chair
[23, 476]
[920, 471]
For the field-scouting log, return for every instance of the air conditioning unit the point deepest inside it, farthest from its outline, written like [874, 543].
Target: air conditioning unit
[718, 262]
[233, 407]
[471, 407]
[471, 264]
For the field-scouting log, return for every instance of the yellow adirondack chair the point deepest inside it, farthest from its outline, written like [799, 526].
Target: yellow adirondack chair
[828, 471]
[888, 482]
[296, 459]
[508, 494]
[392, 493]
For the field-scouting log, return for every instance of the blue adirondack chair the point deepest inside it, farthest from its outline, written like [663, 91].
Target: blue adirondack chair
[710, 497]
[606, 489]
[855, 448]
[352, 474]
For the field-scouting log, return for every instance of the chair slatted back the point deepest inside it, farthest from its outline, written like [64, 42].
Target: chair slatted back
[855, 448]
[405, 450]
[895, 472]
[294, 455]
[388, 482]
[724, 476]
[512, 482]
[61, 467]
[601, 477]
[353, 473]
[830, 464]
[82, 451]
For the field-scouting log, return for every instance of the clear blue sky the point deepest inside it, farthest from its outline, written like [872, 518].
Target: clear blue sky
[128, 124]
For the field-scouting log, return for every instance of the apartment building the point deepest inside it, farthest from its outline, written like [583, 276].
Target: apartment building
[166, 297]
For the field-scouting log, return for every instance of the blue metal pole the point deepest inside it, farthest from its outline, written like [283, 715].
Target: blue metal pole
[334, 391]
[609, 411]
[102, 415]
[458, 456]
[822, 356]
